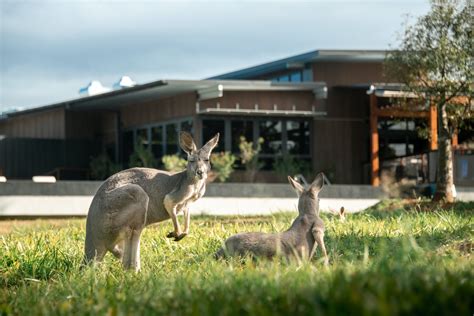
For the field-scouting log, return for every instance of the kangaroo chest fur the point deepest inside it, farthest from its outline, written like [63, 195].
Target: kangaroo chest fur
[192, 194]
[181, 198]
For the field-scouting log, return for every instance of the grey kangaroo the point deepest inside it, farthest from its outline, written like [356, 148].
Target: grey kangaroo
[299, 241]
[134, 198]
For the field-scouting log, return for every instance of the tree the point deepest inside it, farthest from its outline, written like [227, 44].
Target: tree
[435, 61]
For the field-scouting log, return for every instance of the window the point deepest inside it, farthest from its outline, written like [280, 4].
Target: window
[298, 137]
[210, 128]
[187, 126]
[172, 139]
[161, 139]
[281, 136]
[271, 131]
[127, 146]
[142, 137]
[238, 129]
[296, 77]
[157, 141]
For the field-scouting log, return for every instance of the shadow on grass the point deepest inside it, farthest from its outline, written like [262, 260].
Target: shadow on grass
[352, 246]
[396, 207]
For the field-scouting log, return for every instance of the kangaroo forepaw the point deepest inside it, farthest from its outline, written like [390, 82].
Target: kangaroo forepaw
[172, 235]
[181, 236]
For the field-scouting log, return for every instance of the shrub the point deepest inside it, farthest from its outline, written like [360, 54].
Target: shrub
[142, 157]
[249, 157]
[102, 167]
[288, 165]
[174, 163]
[223, 164]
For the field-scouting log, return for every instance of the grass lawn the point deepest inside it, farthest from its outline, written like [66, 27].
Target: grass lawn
[389, 260]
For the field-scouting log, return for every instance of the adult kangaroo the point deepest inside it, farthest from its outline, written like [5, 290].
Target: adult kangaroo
[300, 240]
[134, 198]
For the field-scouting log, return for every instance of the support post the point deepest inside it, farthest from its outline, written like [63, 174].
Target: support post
[454, 140]
[433, 124]
[374, 141]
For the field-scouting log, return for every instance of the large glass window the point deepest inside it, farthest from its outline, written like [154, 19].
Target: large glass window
[296, 77]
[271, 131]
[172, 139]
[298, 137]
[400, 138]
[142, 137]
[127, 146]
[238, 129]
[157, 141]
[210, 128]
[187, 126]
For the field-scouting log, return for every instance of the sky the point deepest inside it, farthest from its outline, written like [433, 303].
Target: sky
[49, 49]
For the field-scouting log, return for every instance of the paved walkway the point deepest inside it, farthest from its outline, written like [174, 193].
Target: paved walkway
[36, 205]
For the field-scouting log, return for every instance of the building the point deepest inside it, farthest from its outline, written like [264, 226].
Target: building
[315, 107]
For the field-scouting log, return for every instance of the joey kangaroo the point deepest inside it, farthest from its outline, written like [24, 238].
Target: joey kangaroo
[300, 240]
[134, 198]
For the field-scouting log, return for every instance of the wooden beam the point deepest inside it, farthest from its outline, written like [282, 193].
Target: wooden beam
[433, 124]
[374, 141]
[402, 113]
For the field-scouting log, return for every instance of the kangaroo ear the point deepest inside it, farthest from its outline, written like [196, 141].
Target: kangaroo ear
[296, 186]
[186, 142]
[317, 184]
[210, 145]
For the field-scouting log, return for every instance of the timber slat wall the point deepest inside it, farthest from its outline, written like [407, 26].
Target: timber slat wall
[43, 124]
[22, 158]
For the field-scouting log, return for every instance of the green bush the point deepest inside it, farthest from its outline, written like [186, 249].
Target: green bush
[288, 165]
[223, 165]
[249, 157]
[103, 167]
[174, 163]
[142, 157]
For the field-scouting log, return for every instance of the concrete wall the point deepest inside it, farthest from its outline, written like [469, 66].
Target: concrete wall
[253, 190]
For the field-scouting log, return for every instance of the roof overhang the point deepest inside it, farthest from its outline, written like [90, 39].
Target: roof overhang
[391, 90]
[204, 89]
[299, 62]
[217, 88]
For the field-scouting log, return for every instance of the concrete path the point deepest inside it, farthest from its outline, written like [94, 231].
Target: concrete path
[39, 205]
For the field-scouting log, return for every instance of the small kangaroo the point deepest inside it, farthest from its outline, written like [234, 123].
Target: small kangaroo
[134, 198]
[300, 240]
[341, 214]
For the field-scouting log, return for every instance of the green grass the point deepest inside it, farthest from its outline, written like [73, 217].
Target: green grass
[395, 262]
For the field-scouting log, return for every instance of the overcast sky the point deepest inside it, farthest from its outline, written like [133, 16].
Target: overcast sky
[50, 49]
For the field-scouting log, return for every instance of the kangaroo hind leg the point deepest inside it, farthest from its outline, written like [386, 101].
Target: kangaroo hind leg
[130, 222]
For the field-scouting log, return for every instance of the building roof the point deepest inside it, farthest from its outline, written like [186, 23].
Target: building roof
[299, 61]
[205, 89]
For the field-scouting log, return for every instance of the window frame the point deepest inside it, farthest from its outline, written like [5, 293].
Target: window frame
[256, 132]
[163, 124]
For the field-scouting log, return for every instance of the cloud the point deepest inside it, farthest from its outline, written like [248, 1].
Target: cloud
[50, 49]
